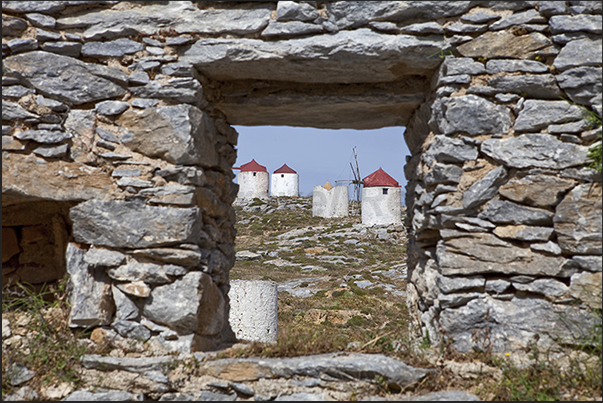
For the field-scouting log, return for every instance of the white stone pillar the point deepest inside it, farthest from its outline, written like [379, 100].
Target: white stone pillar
[254, 310]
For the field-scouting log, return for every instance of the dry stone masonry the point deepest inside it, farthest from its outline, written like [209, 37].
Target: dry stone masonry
[118, 153]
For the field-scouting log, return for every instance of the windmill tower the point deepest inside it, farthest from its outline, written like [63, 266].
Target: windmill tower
[357, 182]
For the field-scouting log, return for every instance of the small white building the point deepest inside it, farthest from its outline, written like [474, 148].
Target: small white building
[285, 182]
[253, 181]
[381, 200]
[329, 201]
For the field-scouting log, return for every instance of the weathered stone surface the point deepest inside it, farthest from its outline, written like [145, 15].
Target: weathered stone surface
[290, 29]
[450, 150]
[131, 329]
[573, 23]
[456, 284]
[543, 286]
[13, 111]
[526, 17]
[43, 36]
[96, 257]
[117, 48]
[344, 57]
[192, 304]
[582, 84]
[51, 151]
[550, 247]
[294, 11]
[72, 49]
[180, 134]
[423, 28]
[111, 108]
[43, 136]
[537, 114]
[587, 288]
[511, 323]
[21, 45]
[505, 212]
[24, 179]
[462, 253]
[125, 308]
[355, 14]
[61, 77]
[542, 86]
[470, 114]
[485, 188]
[181, 17]
[511, 66]
[446, 174]
[535, 150]
[524, 232]
[182, 89]
[12, 26]
[15, 91]
[171, 194]
[578, 220]
[122, 224]
[112, 395]
[90, 298]
[182, 257]
[503, 44]
[136, 288]
[150, 273]
[497, 286]
[537, 190]
[579, 53]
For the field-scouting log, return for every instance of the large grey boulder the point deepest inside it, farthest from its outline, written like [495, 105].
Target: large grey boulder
[504, 326]
[537, 190]
[180, 134]
[578, 220]
[535, 151]
[485, 188]
[192, 304]
[579, 53]
[344, 57]
[122, 224]
[470, 114]
[537, 114]
[61, 77]
[90, 297]
[182, 17]
[506, 212]
[464, 253]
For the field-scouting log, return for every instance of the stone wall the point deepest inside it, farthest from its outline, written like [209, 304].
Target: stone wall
[118, 115]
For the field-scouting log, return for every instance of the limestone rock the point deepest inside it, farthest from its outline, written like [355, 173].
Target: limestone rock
[181, 17]
[176, 256]
[90, 298]
[290, 29]
[472, 115]
[545, 286]
[49, 181]
[344, 57]
[294, 11]
[505, 212]
[192, 304]
[485, 188]
[578, 220]
[503, 44]
[537, 190]
[542, 86]
[96, 257]
[180, 134]
[61, 77]
[579, 53]
[117, 48]
[524, 232]
[450, 150]
[447, 174]
[476, 253]
[14, 111]
[511, 323]
[537, 114]
[535, 150]
[150, 273]
[582, 84]
[511, 66]
[587, 288]
[122, 224]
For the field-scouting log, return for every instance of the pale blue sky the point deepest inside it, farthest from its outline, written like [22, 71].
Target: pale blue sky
[321, 155]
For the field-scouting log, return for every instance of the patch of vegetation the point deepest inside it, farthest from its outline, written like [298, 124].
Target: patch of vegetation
[47, 345]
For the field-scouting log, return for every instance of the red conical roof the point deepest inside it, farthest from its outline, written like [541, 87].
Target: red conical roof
[285, 170]
[252, 166]
[380, 178]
